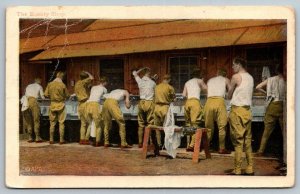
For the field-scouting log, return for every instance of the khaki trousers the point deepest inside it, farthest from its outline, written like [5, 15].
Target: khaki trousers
[193, 115]
[160, 112]
[57, 112]
[274, 112]
[84, 130]
[215, 111]
[145, 116]
[240, 130]
[32, 117]
[93, 113]
[111, 110]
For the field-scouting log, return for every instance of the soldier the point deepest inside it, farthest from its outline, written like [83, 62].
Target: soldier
[215, 108]
[32, 113]
[111, 109]
[240, 93]
[146, 105]
[193, 108]
[93, 111]
[82, 93]
[164, 95]
[275, 91]
[58, 93]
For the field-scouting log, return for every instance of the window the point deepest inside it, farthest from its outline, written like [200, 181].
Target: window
[113, 69]
[258, 58]
[181, 68]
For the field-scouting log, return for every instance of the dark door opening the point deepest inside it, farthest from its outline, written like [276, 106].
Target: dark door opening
[265, 57]
[113, 69]
[55, 67]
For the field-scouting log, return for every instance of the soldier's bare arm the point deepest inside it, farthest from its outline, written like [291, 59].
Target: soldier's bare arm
[260, 87]
[202, 85]
[235, 80]
[127, 101]
[41, 93]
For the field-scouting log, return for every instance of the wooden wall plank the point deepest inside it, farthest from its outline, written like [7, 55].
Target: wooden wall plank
[28, 73]
[209, 60]
[76, 65]
[136, 61]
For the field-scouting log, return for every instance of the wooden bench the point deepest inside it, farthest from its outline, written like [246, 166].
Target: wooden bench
[201, 135]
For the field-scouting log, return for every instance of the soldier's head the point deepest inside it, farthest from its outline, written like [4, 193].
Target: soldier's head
[103, 80]
[83, 75]
[238, 64]
[38, 80]
[147, 71]
[222, 72]
[167, 78]
[60, 74]
[196, 73]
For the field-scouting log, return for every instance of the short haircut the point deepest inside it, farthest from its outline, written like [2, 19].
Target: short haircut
[196, 73]
[146, 70]
[167, 77]
[239, 60]
[103, 79]
[37, 80]
[222, 72]
[83, 75]
[60, 74]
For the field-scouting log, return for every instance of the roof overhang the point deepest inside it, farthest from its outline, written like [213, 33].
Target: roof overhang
[165, 35]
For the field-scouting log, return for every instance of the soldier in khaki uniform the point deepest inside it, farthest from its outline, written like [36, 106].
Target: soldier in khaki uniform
[146, 104]
[32, 113]
[93, 110]
[111, 109]
[193, 108]
[240, 93]
[58, 93]
[164, 95]
[275, 90]
[82, 93]
[215, 108]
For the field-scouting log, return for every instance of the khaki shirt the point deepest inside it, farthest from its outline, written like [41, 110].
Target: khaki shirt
[57, 91]
[164, 93]
[82, 89]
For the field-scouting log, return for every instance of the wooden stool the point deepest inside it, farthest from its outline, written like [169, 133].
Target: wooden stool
[201, 135]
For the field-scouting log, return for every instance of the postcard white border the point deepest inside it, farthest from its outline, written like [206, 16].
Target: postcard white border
[13, 179]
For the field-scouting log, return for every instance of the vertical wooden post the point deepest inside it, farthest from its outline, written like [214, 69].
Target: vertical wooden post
[205, 144]
[145, 143]
[198, 137]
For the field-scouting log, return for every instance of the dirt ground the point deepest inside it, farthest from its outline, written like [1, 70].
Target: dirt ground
[75, 159]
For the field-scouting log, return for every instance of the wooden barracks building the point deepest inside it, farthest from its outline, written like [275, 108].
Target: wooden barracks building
[114, 48]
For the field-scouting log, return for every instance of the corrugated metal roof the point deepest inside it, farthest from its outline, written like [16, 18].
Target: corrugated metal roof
[150, 30]
[109, 24]
[34, 44]
[30, 28]
[249, 35]
[264, 34]
[121, 37]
